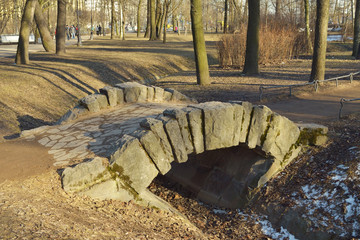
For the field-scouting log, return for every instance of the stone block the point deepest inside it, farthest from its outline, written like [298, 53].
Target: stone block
[173, 131]
[167, 95]
[133, 91]
[85, 175]
[150, 94]
[120, 96]
[219, 124]
[110, 189]
[73, 114]
[177, 96]
[159, 94]
[281, 135]
[94, 102]
[195, 120]
[156, 126]
[111, 94]
[152, 145]
[132, 164]
[260, 121]
[182, 120]
[238, 117]
[246, 117]
[312, 134]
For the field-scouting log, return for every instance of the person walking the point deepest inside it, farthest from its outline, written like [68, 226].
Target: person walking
[67, 31]
[72, 31]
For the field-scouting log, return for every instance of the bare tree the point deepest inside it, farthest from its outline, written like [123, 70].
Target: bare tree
[307, 26]
[60, 29]
[152, 20]
[226, 3]
[202, 66]
[251, 65]
[112, 19]
[356, 41]
[46, 38]
[138, 18]
[22, 54]
[319, 56]
[148, 20]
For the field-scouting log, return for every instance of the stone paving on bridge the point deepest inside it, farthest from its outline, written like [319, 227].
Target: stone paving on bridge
[97, 134]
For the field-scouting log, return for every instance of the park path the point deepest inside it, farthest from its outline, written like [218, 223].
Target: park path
[319, 107]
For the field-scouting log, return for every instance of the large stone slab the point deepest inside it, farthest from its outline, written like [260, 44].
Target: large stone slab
[152, 145]
[156, 126]
[174, 133]
[260, 121]
[150, 94]
[110, 189]
[182, 120]
[238, 118]
[133, 91]
[177, 96]
[132, 164]
[219, 124]
[313, 134]
[159, 94]
[246, 117]
[85, 175]
[195, 119]
[114, 95]
[73, 114]
[94, 102]
[281, 135]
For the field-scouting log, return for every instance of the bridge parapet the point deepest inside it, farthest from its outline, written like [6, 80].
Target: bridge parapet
[177, 134]
[129, 92]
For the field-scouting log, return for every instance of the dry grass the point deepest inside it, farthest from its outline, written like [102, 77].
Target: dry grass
[275, 45]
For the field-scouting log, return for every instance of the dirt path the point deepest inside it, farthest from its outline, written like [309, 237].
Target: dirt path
[21, 159]
[319, 107]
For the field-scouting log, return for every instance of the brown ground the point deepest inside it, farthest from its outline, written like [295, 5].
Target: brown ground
[32, 203]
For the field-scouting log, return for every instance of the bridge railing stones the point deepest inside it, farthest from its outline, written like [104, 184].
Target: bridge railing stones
[128, 92]
[191, 130]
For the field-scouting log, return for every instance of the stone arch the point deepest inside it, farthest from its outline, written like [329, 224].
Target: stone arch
[178, 133]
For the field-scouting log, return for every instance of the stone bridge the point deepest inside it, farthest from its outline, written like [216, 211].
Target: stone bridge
[118, 141]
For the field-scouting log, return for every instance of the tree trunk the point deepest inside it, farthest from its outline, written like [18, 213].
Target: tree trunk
[277, 10]
[252, 41]
[22, 54]
[60, 29]
[152, 20]
[356, 29]
[166, 13]
[202, 67]
[319, 56]
[45, 35]
[308, 44]
[138, 19]
[148, 20]
[122, 7]
[245, 15]
[158, 18]
[162, 21]
[112, 19]
[226, 15]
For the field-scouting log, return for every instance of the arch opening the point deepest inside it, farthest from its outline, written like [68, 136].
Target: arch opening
[224, 177]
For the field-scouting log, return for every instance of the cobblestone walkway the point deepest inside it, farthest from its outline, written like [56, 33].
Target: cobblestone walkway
[97, 134]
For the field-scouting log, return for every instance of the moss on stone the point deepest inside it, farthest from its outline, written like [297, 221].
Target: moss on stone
[117, 173]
